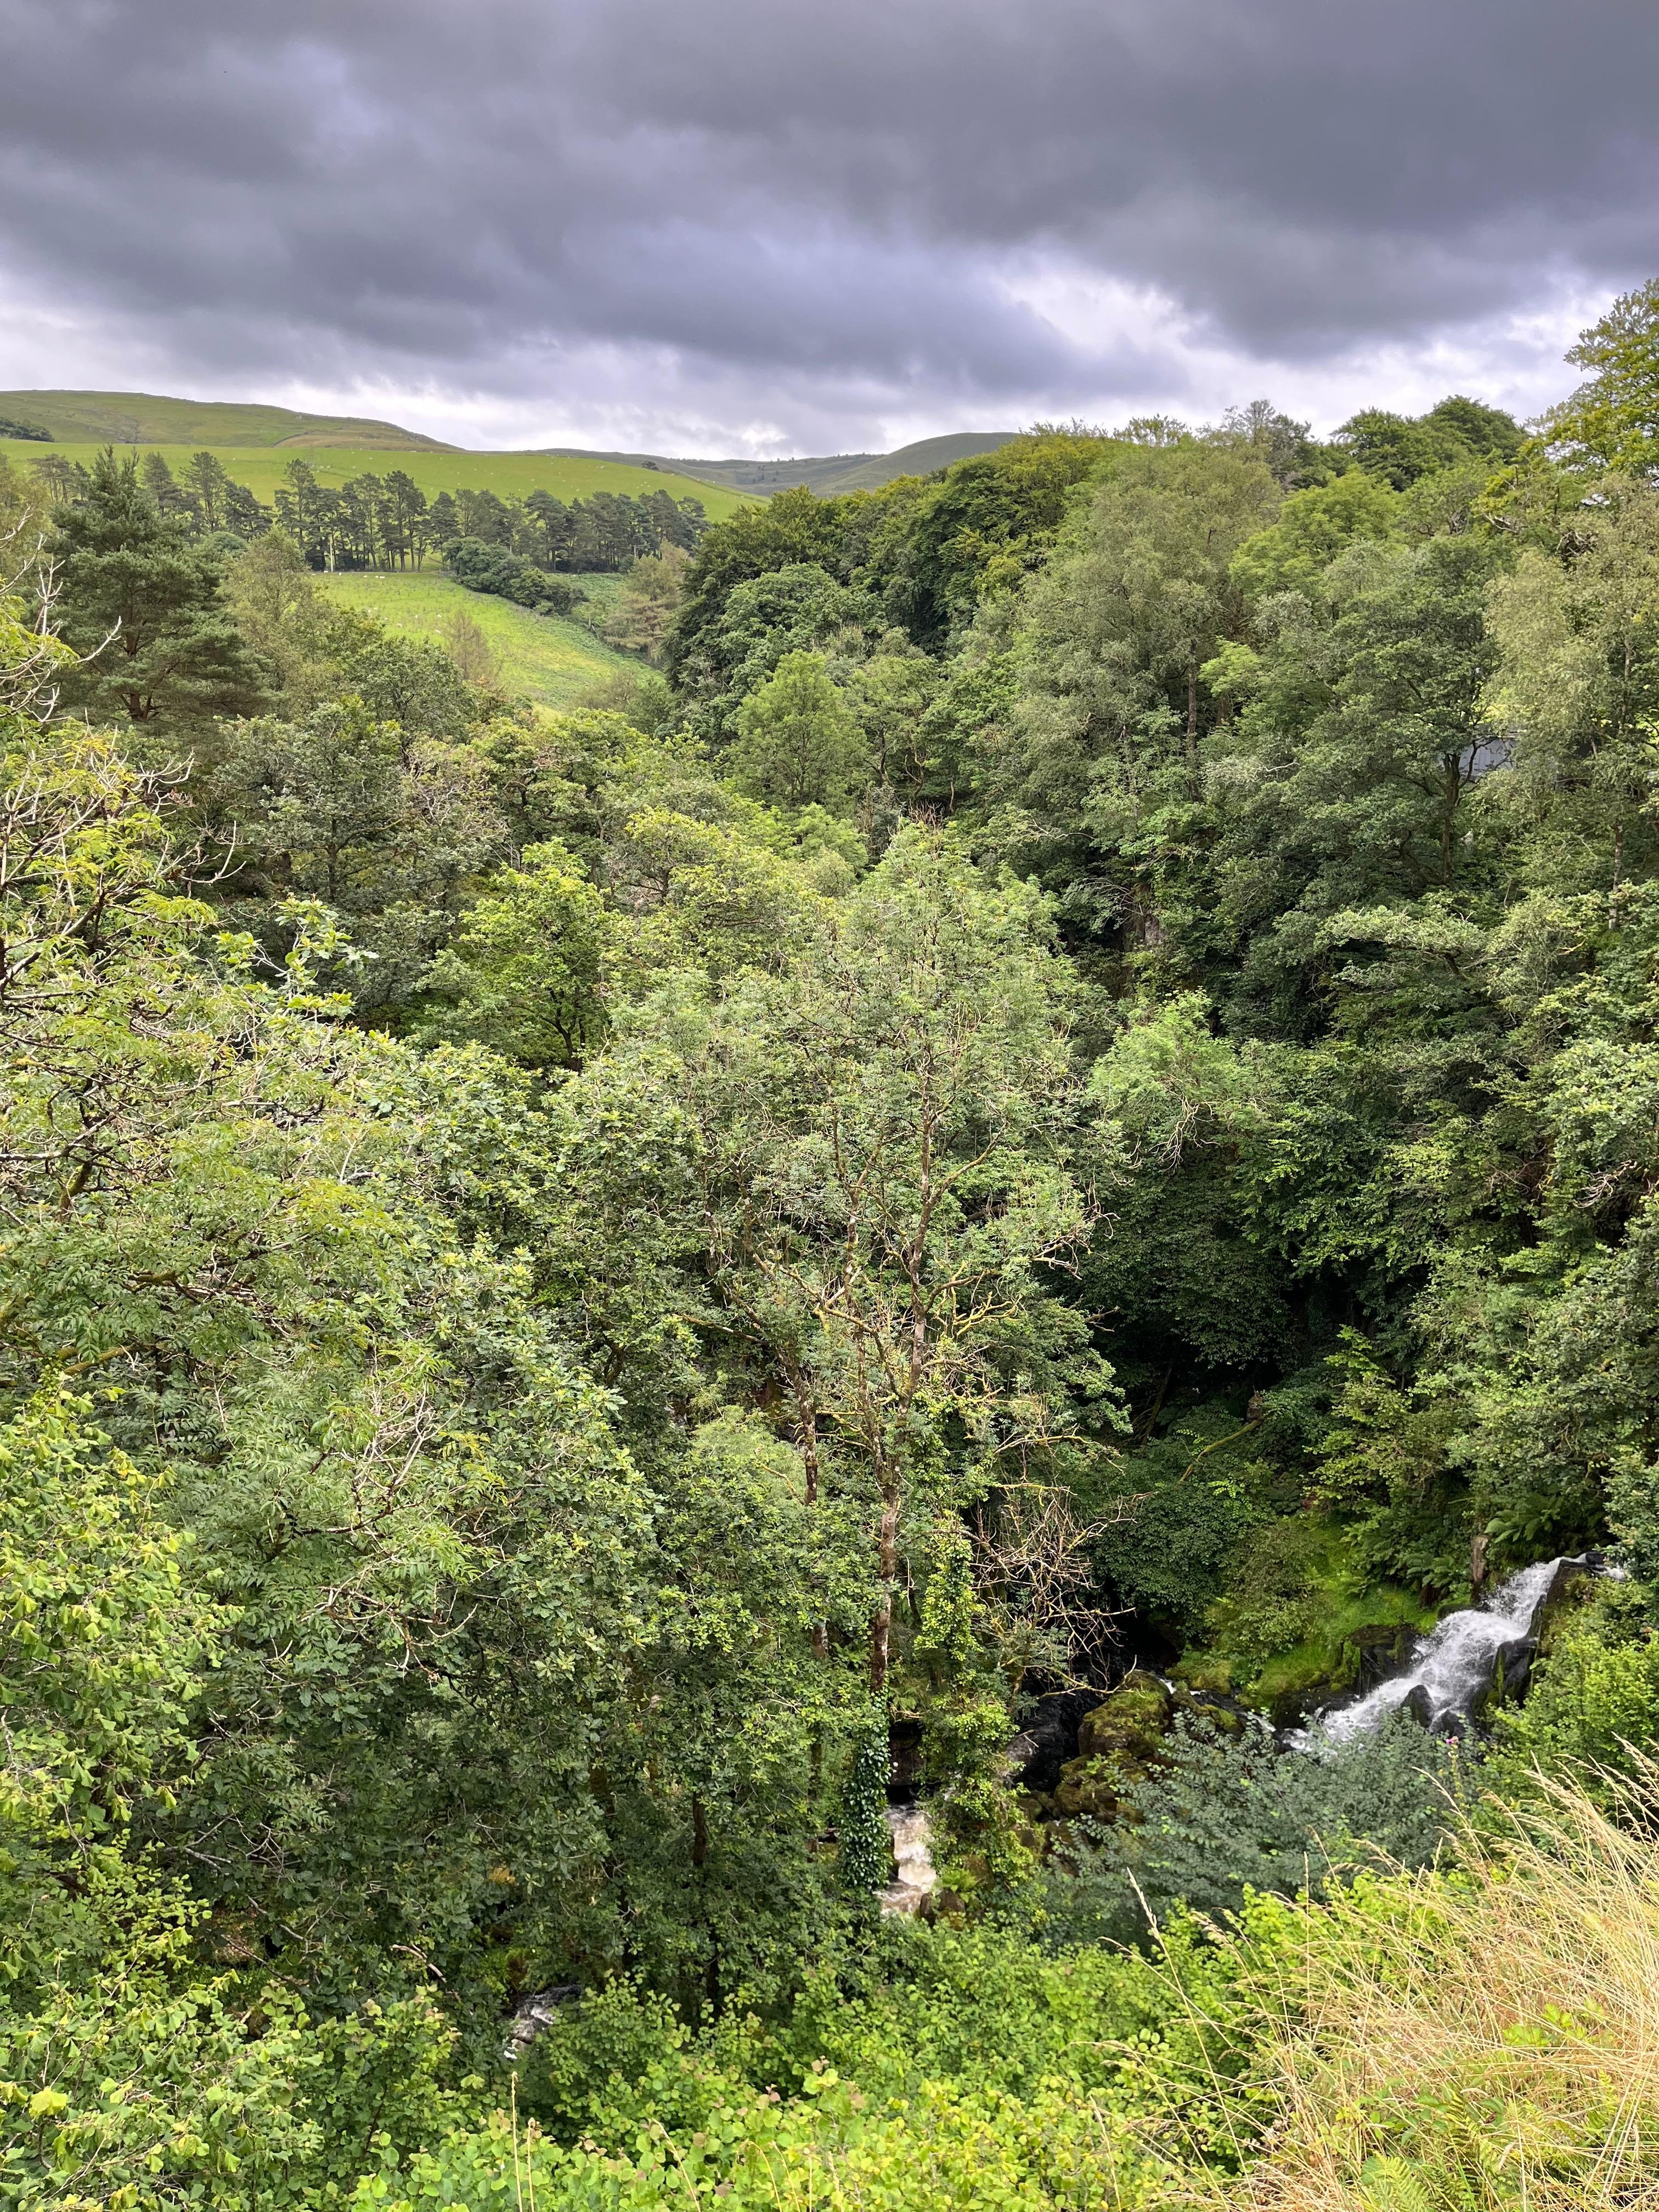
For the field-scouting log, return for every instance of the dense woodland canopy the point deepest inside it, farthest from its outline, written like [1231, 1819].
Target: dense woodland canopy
[1053, 1110]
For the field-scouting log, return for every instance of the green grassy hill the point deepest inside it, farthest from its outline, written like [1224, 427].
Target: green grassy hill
[255, 443]
[824, 473]
[552, 661]
[144, 418]
[869, 471]
[435, 469]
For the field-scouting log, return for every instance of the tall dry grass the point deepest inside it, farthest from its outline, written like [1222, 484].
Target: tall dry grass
[1484, 2037]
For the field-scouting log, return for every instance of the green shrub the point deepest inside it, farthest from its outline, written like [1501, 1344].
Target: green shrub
[1222, 1817]
[1593, 1702]
[985, 2074]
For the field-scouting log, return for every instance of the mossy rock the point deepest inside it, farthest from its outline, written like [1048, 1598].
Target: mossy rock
[1291, 1686]
[1124, 1739]
[1118, 1742]
[1205, 1674]
[1377, 1651]
[1131, 1722]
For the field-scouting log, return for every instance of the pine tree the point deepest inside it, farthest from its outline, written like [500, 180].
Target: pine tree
[147, 612]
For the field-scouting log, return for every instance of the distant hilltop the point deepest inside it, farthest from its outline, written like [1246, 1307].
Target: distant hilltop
[823, 473]
[146, 418]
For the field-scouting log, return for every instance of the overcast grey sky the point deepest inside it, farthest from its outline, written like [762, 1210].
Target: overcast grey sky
[768, 226]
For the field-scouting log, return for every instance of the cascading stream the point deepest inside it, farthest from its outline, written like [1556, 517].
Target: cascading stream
[1452, 1668]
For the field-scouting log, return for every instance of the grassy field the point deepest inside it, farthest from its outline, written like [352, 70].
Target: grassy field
[147, 418]
[260, 468]
[553, 662]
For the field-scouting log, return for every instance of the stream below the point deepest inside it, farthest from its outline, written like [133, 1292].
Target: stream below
[1458, 1666]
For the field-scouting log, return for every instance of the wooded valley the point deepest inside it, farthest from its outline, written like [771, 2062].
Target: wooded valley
[1017, 1156]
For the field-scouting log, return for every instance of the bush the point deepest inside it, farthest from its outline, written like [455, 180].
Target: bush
[1593, 1701]
[506, 575]
[985, 2075]
[1477, 2039]
[1224, 1818]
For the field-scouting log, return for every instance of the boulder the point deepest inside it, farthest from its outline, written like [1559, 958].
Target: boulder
[535, 2014]
[1119, 1742]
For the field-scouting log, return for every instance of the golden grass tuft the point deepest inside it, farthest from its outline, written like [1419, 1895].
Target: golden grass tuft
[1481, 2037]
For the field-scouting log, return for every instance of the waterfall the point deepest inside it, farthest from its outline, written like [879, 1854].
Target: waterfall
[1453, 1667]
[913, 1858]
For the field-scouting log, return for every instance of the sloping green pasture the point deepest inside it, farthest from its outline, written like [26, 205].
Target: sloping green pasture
[508, 475]
[550, 661]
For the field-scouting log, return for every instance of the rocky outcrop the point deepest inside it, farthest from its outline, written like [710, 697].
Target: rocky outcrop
[1036, 1755]
[1122, 1740]
[535, 2014]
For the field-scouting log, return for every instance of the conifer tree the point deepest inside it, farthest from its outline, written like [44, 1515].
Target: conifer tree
[147, 612]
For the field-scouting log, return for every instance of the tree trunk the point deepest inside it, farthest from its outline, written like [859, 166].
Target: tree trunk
[1192, 712]
[881, 1621]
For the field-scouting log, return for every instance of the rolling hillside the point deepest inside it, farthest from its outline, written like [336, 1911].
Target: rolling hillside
[552, 661]
[255, 443]
[826, 473]
[144, 418]
[435, 468]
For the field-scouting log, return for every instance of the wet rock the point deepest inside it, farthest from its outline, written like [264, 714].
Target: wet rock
[905, 1750]
[535, 2014]
[1120, 1741]
[1033, 1759]
[1379, 1650]
[1132, 1722]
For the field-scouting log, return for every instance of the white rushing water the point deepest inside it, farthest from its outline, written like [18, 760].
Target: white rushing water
[1453, 1664]
[913, 1858]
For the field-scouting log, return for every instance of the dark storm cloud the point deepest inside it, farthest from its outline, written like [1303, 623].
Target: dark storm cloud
[771, 190]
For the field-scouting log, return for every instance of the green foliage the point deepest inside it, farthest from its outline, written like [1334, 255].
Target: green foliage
[527, 973]
[101, 1643]
[508, 576]
[392, 832]
[1221, 1818]
[983, 2073]
[765, 622]
[798, 742]
[1314, 525]
[147, 613]
[984, 524]
[1086, 1043]
[865, 1856]
[1592, 1709]
[1613, 420]
[1112, 639]
[140, 2095]
[793, 529]
[1399, 451]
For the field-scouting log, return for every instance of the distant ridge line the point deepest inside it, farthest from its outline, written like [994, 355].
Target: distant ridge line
[151, 418]
[823, 473]
[148, 418]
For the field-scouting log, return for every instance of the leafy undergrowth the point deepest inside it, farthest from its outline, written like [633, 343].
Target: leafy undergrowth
[1480, 2040]
[995, 2075]
[1480, 2037]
